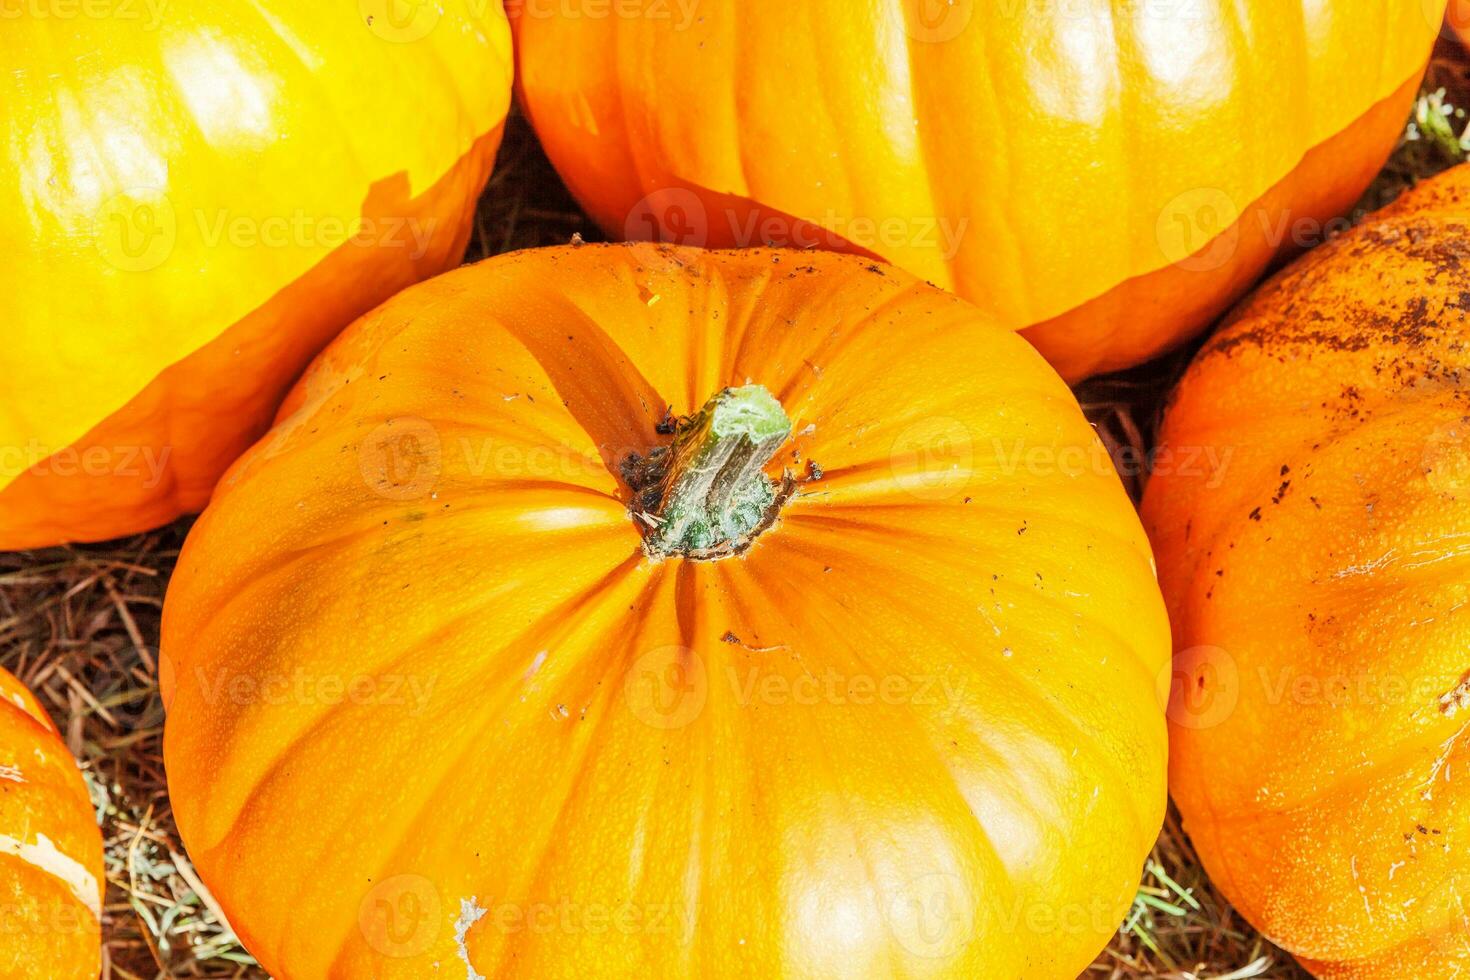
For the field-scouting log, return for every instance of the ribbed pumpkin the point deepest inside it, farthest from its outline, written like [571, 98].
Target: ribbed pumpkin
[1109, 173]
[1311, 518]
[194, 198]
[51, 880]
[846, 665]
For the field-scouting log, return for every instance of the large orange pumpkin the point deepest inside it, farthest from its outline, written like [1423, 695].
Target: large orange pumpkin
[194, 198]
[1109, 173]
[846, 667]
[1311, 516]
[51, 880]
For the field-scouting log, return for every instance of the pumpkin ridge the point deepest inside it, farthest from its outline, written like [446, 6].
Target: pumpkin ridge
[661, 579]
[616, 378]
[796, 390]
[978, 836]
[545, 847]
[552, 623]
[1031, 685]
[1001, 758]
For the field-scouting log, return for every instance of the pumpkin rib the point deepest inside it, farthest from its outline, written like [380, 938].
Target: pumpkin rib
[874, 530]
[1039, 701]
[1026, 681]
[919, 736]
[659, 579]
[460, 424]
[251, 580]
[546, 625]
[929, 162]
[1389, 754]
[550, 624]
[1389, 769]
[634, 398]
[550, 835]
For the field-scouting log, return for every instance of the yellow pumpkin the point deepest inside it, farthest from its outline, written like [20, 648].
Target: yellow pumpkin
[194, 198]
[486, 661]
[51, 880]
[1109, 174]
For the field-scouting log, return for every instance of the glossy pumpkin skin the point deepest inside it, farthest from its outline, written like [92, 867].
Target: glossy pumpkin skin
[911, 731]
[1316, 583]
[1108, 174]
[195, 201]
[51, 877]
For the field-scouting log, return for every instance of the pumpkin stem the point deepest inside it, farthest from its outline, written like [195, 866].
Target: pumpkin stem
[706, 496]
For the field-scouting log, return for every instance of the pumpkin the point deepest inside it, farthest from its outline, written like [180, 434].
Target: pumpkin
[1458, 17]
[1108, 175]
[1310, 513]
[51, 879]
[647, 612]
[194, 199]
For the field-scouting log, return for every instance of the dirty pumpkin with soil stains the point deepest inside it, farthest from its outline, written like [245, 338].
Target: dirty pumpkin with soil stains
[1318, 597]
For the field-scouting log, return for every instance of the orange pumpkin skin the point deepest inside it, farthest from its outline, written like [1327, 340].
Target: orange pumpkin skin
[1109, 175]
[913, 730]
[251, 177]
[1309, 517]
[51, 877]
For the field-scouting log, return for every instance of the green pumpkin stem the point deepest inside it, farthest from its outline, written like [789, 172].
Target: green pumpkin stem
[706, 495]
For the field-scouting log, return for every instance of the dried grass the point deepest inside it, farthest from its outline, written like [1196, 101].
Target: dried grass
[80, 625]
